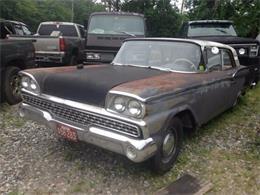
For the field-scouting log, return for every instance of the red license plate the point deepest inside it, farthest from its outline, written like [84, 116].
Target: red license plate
[67, 132]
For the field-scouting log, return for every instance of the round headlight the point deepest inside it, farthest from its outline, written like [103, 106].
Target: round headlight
[25, 81]
[135, 108]
[33, 86]
[241, 51]
[119, 104]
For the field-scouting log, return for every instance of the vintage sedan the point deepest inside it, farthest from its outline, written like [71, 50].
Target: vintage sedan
[140, 104]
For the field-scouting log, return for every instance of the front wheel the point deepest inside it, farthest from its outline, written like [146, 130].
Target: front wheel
[12, 85]
[169, 148]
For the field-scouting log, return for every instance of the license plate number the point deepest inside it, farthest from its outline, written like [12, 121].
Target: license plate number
[67, 132]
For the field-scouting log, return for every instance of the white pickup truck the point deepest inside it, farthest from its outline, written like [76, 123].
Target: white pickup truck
[57, 43]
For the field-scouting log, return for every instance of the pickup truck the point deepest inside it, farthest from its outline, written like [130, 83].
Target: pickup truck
[141, 104]
[57, 43]
[14, 56]
[107, 30]
[224, 32]
[10, 27]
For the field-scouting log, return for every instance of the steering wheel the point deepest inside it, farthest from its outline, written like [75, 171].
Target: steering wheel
[187, 62]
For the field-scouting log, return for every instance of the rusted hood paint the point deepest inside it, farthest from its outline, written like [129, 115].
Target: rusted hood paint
[168, 84]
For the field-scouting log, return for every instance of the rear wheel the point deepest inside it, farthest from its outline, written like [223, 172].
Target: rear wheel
[169, 148]
[11, 85]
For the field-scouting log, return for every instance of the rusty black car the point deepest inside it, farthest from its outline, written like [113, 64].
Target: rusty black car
[141, 104]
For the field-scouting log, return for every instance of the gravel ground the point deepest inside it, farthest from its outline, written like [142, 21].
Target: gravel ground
[225, 152]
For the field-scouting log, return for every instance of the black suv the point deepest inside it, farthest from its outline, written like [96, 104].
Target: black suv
[223, 31]
[13, 27]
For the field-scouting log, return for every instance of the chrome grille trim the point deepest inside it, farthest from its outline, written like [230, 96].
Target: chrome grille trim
[81, 117]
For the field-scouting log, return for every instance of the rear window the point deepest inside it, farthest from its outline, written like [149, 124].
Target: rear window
[66, 30]
[211, 29]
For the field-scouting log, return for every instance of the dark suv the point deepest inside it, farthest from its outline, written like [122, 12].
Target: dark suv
[223, 31]
[13, 27]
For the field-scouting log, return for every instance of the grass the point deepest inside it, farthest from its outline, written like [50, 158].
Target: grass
[225, 152]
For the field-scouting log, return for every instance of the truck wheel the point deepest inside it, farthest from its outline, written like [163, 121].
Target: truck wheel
[73, 60]
[11, 85]
[169, 148]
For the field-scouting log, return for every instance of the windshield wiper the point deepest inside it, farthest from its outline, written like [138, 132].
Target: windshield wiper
[220, 30]
[127, 33]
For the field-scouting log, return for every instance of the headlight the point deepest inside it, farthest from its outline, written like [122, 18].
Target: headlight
[119, 104]
[241, 51]
[125, 105]
[29, 84]
[25, 81]
[135, 108]
[93, 56]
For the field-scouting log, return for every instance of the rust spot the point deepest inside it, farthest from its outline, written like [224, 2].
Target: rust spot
[165, 83]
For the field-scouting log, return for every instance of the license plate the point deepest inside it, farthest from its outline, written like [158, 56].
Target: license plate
[67, 132]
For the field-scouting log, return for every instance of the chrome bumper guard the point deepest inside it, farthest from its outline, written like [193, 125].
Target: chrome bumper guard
[137, 150]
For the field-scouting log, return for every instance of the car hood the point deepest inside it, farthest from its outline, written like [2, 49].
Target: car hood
[91, 84]
[227, 39]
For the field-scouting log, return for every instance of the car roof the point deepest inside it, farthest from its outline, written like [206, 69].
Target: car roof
[13, 21]
[61, 23]
[210, 21]
[202, 43]
[117, 13]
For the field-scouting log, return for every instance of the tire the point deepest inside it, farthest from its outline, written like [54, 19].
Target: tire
[165, 157]
[11, 85]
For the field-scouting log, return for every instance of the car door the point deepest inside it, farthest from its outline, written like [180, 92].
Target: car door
[235, 75]
[220, 84]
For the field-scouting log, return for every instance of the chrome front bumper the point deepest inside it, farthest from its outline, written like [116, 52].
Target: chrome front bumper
[136, 150]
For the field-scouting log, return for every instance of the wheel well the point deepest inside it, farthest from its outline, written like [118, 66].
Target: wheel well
[17, 63]
[187, 119]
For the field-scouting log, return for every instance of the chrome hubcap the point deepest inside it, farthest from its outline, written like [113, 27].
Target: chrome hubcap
[168, 144]
[15, 85]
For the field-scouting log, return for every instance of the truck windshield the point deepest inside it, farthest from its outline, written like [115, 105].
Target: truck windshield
[66, 30]
[211, 29]
[116, 24]
[163, 55]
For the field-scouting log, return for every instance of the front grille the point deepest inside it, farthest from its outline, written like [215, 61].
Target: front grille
[81, 117]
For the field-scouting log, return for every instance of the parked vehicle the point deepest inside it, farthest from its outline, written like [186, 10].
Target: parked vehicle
[57, 43]
[14, 56]
[139, 105]
[107, 30]
[223, 31]
[10, 27]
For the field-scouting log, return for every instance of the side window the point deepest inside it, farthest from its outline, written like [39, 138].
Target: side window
[214, 59]
[18, 30]
[226, 58]
[26, 30]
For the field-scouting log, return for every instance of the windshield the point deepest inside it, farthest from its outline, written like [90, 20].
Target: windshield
[166, 55]
[116, 24]
[211, 29]
[66, 30]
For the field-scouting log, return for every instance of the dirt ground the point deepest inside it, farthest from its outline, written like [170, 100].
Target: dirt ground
[225, 152]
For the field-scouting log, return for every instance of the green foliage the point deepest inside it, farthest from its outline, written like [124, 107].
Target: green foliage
[163, 17]
[32, 12]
